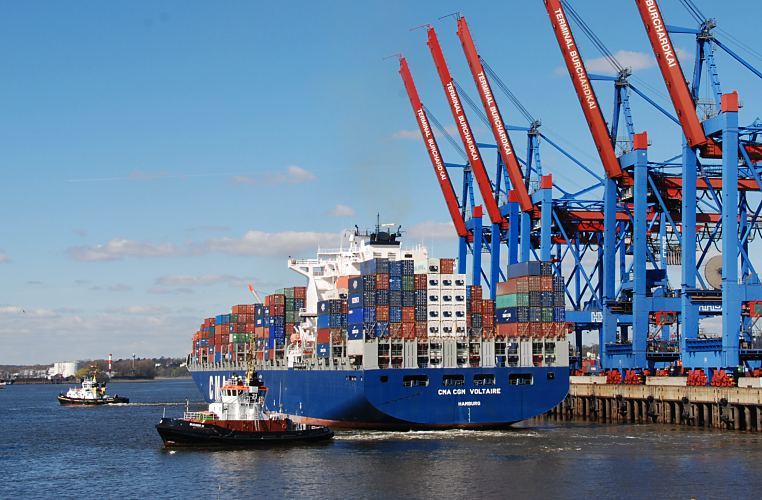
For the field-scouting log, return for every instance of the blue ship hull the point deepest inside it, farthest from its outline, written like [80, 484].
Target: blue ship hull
[378, 399]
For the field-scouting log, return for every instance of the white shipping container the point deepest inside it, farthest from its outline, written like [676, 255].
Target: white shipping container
[459, 281]
[448, 281]
[433, 266]
[433, 282]
[433, 313]
[447, 312]
[460, 328]
[448, 328]
[433, 297]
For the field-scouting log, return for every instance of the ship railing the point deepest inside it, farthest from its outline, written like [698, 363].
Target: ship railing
[198, 415]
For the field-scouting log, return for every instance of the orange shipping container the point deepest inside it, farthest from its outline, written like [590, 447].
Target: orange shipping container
[546, 283]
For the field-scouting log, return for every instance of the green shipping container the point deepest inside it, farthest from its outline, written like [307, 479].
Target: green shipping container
[292, 316]
[546, 314]
[408, 283]
[289, 293]
[503, 301]
[240, 338]
[522, 300]
[289, 303]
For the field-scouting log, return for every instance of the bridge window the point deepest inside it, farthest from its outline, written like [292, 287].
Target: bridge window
[520, 379]
[453, 380]
[415, 381]
[484, 379]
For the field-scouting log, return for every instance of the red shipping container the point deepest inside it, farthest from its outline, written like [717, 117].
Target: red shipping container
[278, 310]
[421, 330]
[548, 330]
[522, 284]
[382, 281]
[300, 292]
[561, 330]
[420, 282]
[506, 287]
[446, 266]
[546, 283]
[506, 330]
[249, 327]
[408, 330]
[526, 329]
[535, 283]
[408, 314]
[395, 330]
[476, 291]
[382, 313]
[476, 306]
[323, 335]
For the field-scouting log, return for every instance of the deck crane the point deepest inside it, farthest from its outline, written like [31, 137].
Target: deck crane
[495, 118]
[587, 98]
[464, 129]
[679, 92]
[435, 155]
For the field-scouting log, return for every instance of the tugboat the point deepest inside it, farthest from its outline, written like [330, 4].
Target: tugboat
[238, 418]
[91, 393]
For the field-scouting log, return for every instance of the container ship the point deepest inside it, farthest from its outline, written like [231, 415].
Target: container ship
[383, 337]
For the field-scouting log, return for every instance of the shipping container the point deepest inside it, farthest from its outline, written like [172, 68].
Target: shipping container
[529, 268]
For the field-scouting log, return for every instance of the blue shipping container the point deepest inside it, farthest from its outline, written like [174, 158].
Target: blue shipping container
[356, 285]
[506, 315]
[355, 300]
[355, 332]
[355, 316]
[529, 268]
[323, 350]
[382, 329]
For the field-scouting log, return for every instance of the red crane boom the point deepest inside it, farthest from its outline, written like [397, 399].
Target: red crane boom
[681, 97]
[433, 149]
[671, 71]
[493, 114]
[464, 129]
[585, 92]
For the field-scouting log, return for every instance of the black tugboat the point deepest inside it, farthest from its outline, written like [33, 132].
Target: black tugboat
[237, 418]
[91, 393]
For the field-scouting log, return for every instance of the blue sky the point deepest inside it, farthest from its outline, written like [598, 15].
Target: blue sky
[157, 156]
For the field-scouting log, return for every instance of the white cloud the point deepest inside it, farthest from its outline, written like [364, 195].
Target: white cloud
[627, 58]
[146, 330]
[260, 243]
[406, 134]
[19, 311]
[428, 231]
[342, 211]
[290, 175]
[255, 243]
[119, 249]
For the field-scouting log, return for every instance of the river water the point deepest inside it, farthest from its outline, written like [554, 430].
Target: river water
[49, 451]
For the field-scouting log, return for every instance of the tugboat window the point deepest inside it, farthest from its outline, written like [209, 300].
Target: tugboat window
[450, 380]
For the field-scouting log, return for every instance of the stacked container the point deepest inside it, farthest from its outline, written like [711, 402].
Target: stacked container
[331, 325]
[480, 314]
[446, 307]
[530, 304]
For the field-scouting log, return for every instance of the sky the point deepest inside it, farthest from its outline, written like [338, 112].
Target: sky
[158, 156]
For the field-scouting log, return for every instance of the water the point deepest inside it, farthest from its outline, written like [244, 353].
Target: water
[51, 451]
